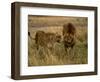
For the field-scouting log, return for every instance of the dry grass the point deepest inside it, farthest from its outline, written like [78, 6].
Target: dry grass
[58, 56]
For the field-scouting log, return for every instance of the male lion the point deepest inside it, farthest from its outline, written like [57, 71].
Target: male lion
[69, 32]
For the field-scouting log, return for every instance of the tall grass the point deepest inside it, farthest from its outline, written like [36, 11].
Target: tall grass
[58, 55]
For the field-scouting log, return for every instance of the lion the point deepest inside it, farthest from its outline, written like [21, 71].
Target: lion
[69, 36]
[46, 40]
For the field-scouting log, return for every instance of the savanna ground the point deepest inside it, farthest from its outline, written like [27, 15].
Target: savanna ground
[44, 57]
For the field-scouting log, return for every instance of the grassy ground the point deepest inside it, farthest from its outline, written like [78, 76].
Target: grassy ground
[58, 55]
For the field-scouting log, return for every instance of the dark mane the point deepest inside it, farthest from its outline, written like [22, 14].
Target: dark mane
[69, 28]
